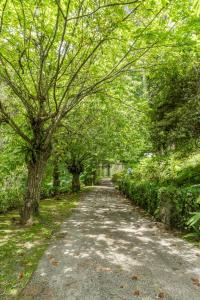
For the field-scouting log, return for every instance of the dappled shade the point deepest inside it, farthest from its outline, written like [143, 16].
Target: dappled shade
[107, 250]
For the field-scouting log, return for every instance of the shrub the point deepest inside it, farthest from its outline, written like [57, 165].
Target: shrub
[170, 204]
[90, 175]
[12, 191]
[194, 224]
[117, 177]
[142, 193]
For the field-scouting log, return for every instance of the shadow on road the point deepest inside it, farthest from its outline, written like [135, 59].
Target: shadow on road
[109, 251]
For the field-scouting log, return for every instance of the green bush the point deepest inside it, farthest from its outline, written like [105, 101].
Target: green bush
[194, 224]
[142, 193]
[170, 204]
[90, 175]
[117, 177]
[174, 169]
[12, 191]
[47, 189]
[188, 175]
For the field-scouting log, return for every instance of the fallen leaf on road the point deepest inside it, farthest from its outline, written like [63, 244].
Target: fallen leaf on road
[134, 277]
[55, 263]
[136, 293]
[195, 281]
[50, 257]
[161, 295]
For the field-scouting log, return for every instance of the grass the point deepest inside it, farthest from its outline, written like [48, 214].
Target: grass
[22, 247]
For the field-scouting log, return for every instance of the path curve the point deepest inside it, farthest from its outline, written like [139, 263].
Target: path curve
[108, 250]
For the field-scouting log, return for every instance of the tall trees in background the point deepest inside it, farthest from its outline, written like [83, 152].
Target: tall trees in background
[173, 76]
[175, 110]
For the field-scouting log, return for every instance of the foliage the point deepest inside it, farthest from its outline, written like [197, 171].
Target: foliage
[14, 174]
[194, 224]
[11, 193]
[169, 181]
[174, 102]
[166, 181]
[89, 175]
[152, 197]
[47, 183]
[142, 193]
[116, 178]
[176, 167]
[12, 170]
[100, 131]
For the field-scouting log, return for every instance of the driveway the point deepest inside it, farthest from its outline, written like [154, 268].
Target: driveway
[108, 250]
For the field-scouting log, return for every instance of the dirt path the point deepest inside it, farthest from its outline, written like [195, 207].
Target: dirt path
[107, 250]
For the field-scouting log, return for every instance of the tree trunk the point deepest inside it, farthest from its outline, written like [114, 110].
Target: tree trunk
[76, 186]
[75, 168]
[108, 170]
[94, 177]
[56, 177]
[36, 167]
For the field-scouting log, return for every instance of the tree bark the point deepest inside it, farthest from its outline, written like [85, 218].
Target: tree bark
[108, 170]
[76, 186]
[36, 166]
[75, 167]
[56, 177]
[94, 177]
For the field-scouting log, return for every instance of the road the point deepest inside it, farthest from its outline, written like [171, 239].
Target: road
[108, 250]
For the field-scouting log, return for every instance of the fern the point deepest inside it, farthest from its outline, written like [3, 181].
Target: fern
[194, 223]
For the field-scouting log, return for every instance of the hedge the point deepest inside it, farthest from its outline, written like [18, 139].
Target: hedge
[171, 204]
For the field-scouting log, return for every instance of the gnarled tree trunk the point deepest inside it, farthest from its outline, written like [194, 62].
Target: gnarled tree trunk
[75, 168]
[76, 186]
[36, 166]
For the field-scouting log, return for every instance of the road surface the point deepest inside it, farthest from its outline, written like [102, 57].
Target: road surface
[108, 250]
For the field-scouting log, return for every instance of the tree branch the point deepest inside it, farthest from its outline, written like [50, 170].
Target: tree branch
[14, 125]
[2, 15]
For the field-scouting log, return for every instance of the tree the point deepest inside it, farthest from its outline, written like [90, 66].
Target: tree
[50, 60]
[84, 136]
[175, 111]
[103, 130]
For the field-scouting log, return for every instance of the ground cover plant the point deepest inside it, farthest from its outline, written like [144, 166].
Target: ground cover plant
[22, 247]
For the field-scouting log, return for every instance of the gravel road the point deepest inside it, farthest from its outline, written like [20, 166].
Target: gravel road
[109, 250]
